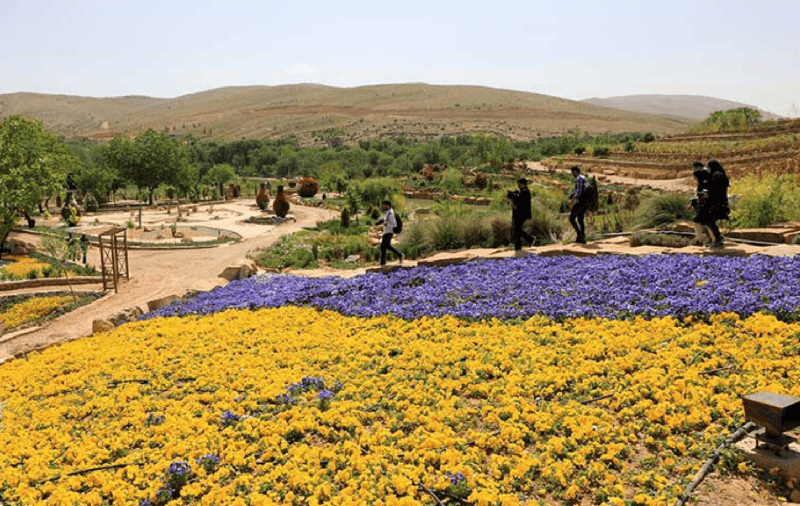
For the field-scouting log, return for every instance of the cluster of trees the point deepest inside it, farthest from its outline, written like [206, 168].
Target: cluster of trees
[731, 120]
[35, 164]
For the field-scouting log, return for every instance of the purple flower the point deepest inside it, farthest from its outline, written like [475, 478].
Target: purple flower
[325, 395]
[606, 286]
[229, 418]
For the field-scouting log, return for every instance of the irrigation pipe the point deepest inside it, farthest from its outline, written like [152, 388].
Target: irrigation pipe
[711, 460]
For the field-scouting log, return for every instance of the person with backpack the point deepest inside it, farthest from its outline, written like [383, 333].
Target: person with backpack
[702, 215]
[718, 207]
[391, 225]
[580, 201]
[520, 213]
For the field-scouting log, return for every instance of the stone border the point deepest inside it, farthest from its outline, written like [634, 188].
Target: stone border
[39, 282]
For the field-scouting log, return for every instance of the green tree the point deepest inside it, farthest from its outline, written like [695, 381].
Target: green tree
[33, 163]
[220, 173]
[150, 160]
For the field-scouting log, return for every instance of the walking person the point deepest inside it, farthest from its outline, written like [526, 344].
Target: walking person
[579, 200]
[84, 246]
[700, 204]
[719, 209]
[520, 213]
[389, 224]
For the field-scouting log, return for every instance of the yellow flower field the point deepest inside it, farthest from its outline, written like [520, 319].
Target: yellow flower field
[22, 266]
[391, 412]
[31, 309]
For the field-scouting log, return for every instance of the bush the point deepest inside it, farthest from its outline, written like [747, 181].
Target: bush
[579, 150]
[500, 233]
[600, 151]
[545, 226]
[414, 243]
[654, 239]
[445, 234]
[663, 210]
[629, 146]
[766, 200]
[375, 190]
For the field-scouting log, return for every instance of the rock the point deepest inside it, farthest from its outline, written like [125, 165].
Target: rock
[18, 247]
[240, 270]
[160, 236]
[190, 294]
[2, 328]
[795, 495]
[187, 240]
[99, 326]
[353, 259]
[128, 314]
[156, 304]
[772, 235]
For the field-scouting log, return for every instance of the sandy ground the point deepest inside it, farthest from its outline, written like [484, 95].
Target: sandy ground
[158, 273]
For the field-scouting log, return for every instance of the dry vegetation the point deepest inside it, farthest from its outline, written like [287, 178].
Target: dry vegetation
[418, 111]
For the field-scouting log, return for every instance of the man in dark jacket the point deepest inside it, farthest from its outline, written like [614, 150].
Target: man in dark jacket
[580, 204]
[719, 209]
[521, 212]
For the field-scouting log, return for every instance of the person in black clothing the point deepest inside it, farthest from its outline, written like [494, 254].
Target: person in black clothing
[700, 205]
[580, 204]
[718, 207]
[521, 212]
[84, 246]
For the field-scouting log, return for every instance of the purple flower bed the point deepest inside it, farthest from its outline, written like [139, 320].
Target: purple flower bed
[607, 286]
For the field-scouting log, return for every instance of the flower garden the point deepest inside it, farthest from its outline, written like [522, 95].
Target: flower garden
[537, 380]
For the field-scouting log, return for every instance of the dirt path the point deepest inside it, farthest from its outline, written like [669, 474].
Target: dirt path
[155, 274]
[675, 185]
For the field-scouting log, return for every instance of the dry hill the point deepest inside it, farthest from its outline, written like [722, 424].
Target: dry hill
[416, 110]
[695, 107]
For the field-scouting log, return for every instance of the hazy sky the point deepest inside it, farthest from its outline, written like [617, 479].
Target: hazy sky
[742, 50]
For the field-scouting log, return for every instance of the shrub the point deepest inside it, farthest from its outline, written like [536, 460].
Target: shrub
[663, 210]
[629, 146]
[545, 226]
[654, 239]
[414, 243]
[600, 151]
[451, 180]
[500, 233]
[579, 150]
[766, 200]
[445, 234]
[375, 190]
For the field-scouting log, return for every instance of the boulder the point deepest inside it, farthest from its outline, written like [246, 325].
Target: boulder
[795, 496]
[2, 327]
[156, 304]
[19, 247]
[771, 235]
[126, 315]
[187, 240]
[99, 326]
[240, 270]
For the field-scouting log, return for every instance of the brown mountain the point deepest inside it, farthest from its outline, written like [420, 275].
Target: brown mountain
[694, 107]
[416, 110]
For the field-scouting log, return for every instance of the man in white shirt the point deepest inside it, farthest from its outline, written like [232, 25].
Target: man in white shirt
[389, 223]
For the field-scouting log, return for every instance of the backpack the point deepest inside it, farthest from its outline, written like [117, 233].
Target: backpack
[398, 227]
[592, 195]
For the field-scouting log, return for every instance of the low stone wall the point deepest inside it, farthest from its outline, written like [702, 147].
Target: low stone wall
[37, 283]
